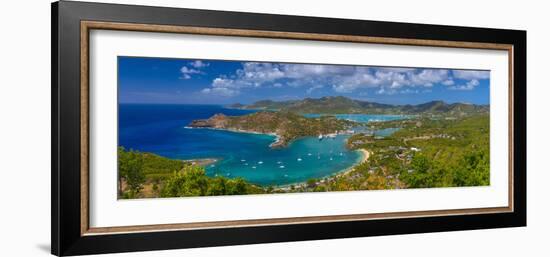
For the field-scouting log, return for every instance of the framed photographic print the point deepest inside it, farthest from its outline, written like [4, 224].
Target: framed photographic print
[177, 128]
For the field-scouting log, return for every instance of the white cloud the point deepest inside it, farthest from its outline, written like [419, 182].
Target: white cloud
[448, 82]
[392, 79]
[224, 83]
[396, 69]
[348, 84]
[343, 79]
[199, 64]
[186, 72]
[195, 68]
[256, 74]
[388, 80]
[409, 91]
[344, 88]
[468, 86]
[386, 91]
[429, 77]
[313, 88]
[471, 74]
[220, 91]
[309, 71]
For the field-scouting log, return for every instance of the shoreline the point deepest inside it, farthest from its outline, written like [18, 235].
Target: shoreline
[275, 143]
[202, 161]
[365, 157]
[278, 141]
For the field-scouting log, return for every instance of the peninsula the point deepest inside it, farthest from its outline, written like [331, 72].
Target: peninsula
[287, 126]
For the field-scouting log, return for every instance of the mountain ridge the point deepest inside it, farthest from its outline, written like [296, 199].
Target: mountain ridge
[341, 104]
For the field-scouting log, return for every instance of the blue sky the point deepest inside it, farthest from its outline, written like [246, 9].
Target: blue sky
[183, 81]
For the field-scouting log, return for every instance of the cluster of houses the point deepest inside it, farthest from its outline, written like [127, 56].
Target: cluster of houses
[337, 132]
[403, 153]
[444, 136]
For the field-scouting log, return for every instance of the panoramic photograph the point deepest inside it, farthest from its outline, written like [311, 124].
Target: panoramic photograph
[192, 127]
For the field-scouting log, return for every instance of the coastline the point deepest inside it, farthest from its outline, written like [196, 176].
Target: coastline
[275, 143]
[202, 161]
[365, 154]
[365, 157]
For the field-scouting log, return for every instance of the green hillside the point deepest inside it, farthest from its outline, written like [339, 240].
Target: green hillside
[344, 105]
[286, 125]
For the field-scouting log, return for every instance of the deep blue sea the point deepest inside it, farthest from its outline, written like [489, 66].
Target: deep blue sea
[161, 129]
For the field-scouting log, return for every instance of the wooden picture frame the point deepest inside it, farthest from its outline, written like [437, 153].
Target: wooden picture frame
[71, 25]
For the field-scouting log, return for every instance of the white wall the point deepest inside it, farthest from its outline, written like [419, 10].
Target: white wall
[25, 127]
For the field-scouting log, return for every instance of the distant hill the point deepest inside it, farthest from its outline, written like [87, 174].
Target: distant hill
[236, 106]
[264, 105]
[340, 104]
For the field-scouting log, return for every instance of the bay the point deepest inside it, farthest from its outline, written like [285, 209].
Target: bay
[161, 129]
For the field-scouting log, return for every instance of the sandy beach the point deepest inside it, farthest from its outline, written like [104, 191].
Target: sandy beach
[365, 157]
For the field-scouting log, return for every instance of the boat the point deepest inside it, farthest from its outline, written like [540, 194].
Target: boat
[320, 136]
[282, 166]
[299, 159]
[260, 162]
[253, 167]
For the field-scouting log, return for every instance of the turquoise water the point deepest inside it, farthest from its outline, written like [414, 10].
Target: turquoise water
[160, 129]
[303, 159]
[385, 132]
[365, 118]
